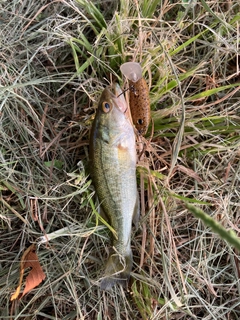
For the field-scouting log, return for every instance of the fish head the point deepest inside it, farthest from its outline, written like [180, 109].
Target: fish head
[111, 109]
[112, 98]
[111, 121]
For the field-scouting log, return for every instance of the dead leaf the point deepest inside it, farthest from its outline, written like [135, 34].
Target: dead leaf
[35, 276]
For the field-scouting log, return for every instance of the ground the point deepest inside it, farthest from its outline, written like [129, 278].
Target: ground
[55, 59]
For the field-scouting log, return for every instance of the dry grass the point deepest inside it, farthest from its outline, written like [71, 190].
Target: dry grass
[54, 59]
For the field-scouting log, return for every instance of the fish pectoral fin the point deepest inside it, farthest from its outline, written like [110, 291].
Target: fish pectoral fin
[117, 270]
[136, 212]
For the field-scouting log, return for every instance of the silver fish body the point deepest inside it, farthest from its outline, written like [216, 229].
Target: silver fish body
[113, 171]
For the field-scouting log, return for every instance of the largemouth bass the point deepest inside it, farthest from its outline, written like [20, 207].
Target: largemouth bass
[113, 171]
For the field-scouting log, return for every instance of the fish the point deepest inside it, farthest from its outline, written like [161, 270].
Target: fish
[113, 170]
[139, 99]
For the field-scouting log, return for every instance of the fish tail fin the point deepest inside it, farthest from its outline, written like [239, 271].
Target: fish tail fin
[117, 270]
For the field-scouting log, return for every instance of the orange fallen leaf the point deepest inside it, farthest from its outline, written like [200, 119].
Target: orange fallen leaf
[35, 276]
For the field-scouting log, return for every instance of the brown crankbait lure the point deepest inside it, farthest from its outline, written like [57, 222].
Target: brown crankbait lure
[139, 96]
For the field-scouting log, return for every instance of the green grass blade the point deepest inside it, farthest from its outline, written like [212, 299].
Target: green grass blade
[210, 92]
[227, 235]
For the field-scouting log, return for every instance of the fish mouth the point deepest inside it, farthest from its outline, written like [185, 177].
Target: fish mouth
[117, 97]
[115, 90]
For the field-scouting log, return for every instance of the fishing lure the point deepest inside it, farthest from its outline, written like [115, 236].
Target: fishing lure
[139, 96]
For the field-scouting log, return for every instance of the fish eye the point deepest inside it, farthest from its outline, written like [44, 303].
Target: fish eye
[140, 121]
[106, 107]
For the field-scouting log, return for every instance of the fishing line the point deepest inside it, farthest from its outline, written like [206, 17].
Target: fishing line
[123, 92]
